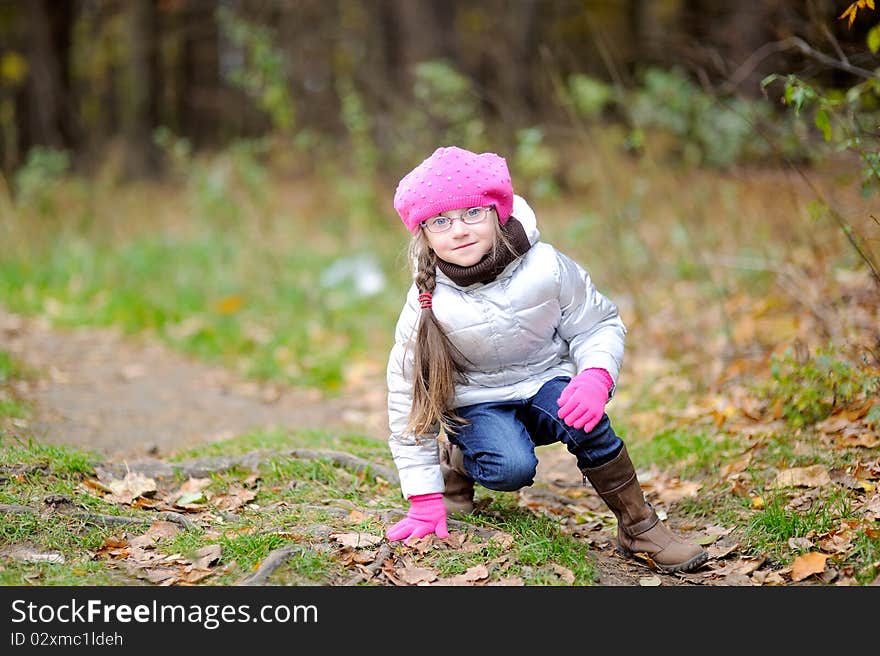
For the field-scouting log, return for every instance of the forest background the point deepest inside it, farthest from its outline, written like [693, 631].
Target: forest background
[216, 176]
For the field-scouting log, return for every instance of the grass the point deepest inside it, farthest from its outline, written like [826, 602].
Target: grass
[292, 498]
[729, 283]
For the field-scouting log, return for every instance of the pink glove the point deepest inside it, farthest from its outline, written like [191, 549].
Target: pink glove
[427, 514]
[582, 402]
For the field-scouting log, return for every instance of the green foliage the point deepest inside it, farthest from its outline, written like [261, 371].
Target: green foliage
[224, 187]
[810, 390]
[36, 182]
[535, 163]
[446, 111]
[358, 191]
[588, 95]
[710, 130]
[261, 72]
[845, 118]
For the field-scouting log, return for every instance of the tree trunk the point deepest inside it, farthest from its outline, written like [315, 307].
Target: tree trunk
[46, 94]
[139, 111]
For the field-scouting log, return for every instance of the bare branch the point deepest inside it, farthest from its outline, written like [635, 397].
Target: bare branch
[745, 69]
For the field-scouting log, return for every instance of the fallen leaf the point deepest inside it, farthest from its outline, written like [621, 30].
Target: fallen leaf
[194, 485]
[356, 517]
[813, 476]
[748, 565]
[128, 489]
[736, 466]
[416, 575]
[356, 540]
[191, 499]
[95, 484]
[234, 498]
[473, 574]
[678, 490]
[26, 554]
[834, 423]
[161, 575]
[157, 531]
[763, 577]
[799, 544]
[865, 439]
[721, 551]
[564, 573]
[195, 575]
[808, 564]
[206, 556]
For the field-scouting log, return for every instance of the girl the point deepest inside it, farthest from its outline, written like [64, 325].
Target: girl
[504, 344]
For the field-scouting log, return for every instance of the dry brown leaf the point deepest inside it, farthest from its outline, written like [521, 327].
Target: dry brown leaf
[235, 498]
[206, 556]
[763, 577]
[472, 575]
[872, 505]
[808, 564]
[564, 573]
[677, 490]
[748, 565]
[130, 487]
[356, 517]
[813, 476]
[157, 531]
[502, 538]
[162, 575]
[193, 485]
[356, 540]
[836, 543]
[194, 575]
[865, 438]
[416, 575]
[27, 554]
[363, 557]
[95, 484]
[801, 544]
[736, 466]
[834, 423]
[717, 551]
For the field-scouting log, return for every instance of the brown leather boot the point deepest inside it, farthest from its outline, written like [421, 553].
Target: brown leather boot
[458, 497]
[639, 530]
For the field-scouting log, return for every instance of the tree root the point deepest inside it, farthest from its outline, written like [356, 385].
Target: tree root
[272, 562]
[202, 467]
[97, 518]
[372, 568]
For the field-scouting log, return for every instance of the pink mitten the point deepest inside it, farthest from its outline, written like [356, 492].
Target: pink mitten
[582, 402]
[427, 514]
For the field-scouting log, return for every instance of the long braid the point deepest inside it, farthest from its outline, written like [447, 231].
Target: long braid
[437, 363]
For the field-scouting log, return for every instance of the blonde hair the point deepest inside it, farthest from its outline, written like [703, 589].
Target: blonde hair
[438, 364]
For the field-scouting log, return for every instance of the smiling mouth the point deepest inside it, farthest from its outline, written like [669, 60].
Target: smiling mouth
[464, 245]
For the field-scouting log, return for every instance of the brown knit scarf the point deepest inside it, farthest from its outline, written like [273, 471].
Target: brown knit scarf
[493, 262]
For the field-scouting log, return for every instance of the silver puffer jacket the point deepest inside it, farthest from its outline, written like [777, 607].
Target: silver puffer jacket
[542, 317]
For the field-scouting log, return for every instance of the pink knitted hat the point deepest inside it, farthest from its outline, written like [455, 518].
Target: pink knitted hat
[454, 178]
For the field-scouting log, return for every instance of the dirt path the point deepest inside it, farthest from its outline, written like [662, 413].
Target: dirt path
[130, 398]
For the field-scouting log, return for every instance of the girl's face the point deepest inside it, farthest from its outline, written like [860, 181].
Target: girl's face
[463, 244]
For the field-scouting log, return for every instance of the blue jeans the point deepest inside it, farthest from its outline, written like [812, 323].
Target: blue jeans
[499, 443]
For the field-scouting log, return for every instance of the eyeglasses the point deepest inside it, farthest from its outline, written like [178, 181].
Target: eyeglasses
[443, 223]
